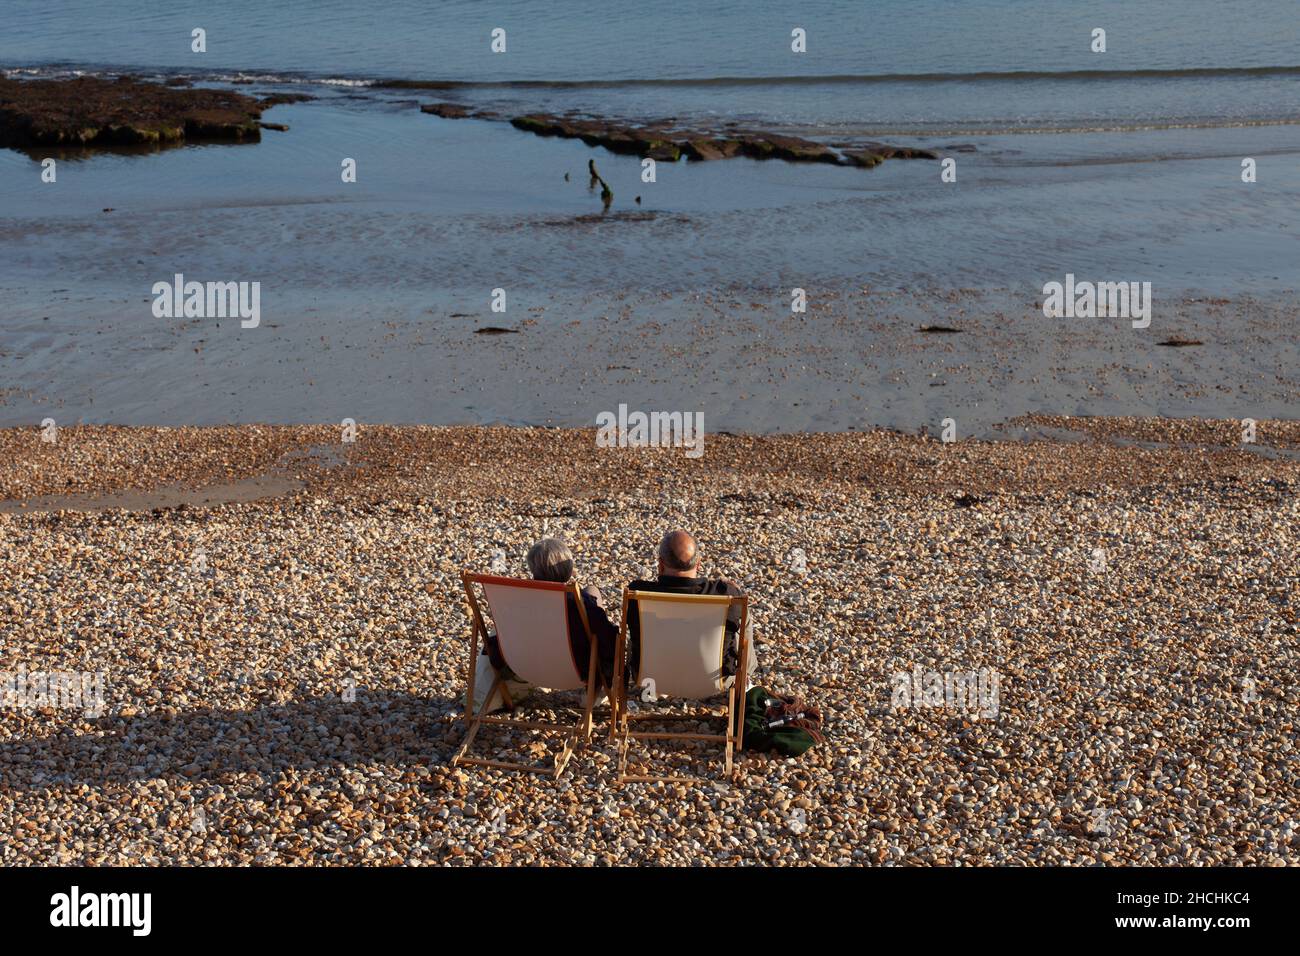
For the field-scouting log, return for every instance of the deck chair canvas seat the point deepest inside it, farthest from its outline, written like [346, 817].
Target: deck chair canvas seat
[682, 640]
[532, 621]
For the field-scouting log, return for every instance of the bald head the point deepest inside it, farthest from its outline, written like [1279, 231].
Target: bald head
[678, 554]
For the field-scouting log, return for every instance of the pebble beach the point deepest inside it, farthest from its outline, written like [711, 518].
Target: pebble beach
[277, 620]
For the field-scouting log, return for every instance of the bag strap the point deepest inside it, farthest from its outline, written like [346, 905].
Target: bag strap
[795, 712]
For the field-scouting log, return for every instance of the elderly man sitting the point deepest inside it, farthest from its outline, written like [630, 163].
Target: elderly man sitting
[679, 573]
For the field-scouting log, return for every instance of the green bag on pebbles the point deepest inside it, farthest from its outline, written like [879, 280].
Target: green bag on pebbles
[788, 725]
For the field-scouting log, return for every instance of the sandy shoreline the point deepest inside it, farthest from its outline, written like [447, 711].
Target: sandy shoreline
[855, 360]
[1147, 702]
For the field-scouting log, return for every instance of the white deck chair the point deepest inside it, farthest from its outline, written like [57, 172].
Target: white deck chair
[532, 628]
[682, 641]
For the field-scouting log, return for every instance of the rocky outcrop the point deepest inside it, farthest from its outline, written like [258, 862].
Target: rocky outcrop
[92, 111]
[704, 149]
[873, 154]
[657, 141]
[457, 111]
[626, 140]
[446, 110]
[662, 141]
[277, 98]
[792, 149]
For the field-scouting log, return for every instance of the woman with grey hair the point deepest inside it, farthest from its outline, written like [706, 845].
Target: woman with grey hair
[551, 560]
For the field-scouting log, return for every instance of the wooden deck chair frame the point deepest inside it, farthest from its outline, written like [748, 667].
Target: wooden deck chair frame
[576, 733]
[621, 724]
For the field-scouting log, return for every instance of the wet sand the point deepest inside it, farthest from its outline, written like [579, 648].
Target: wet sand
[855, 360]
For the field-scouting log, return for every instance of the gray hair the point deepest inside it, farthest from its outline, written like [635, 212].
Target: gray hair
[550, 560]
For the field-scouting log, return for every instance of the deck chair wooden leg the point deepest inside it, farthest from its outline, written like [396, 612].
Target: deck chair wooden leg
[731, 727]
[618, 693]
[591, 693]
[742, 680]
[624, 741]
[627, 734]
[562, 758]
[581, 731]
[475, 722]
[469, 683]
[615, 706]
